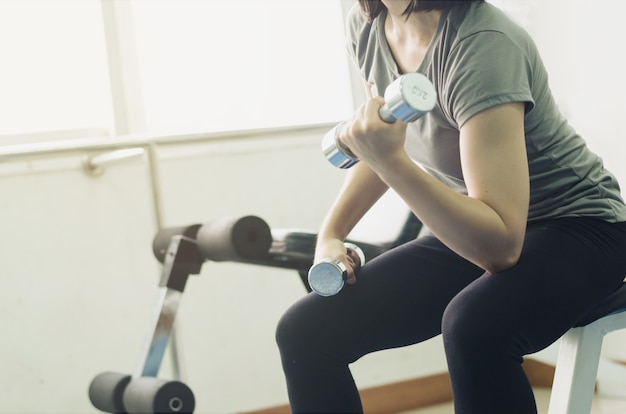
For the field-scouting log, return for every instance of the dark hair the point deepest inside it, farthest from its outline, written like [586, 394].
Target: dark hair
[372, 8]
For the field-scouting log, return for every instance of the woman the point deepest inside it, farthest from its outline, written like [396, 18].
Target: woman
[527, 228]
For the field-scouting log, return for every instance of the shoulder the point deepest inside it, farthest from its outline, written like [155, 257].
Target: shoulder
[484, 59]
[368, 49]
[360, 32]
[356, 20]
[484, 21]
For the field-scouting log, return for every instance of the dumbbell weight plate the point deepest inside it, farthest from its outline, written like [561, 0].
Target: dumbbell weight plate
[340, 158]
[327, 277]
[408, 98]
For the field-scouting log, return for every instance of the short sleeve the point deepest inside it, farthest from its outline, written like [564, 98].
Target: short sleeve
[365, 44]
[356, 40]
[484, 70]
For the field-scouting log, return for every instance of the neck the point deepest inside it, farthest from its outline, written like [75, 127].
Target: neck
[417, 28]
[409, 36]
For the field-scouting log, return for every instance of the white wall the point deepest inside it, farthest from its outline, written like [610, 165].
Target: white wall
[80, 278]
[79, 275]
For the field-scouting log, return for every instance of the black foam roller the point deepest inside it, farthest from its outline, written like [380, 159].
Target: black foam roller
[230, 238]
[106, 391]
[154, 395]
[161, 241]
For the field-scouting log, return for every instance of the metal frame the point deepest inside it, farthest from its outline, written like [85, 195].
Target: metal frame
[102, 152]
[577, 365]
[182, 259]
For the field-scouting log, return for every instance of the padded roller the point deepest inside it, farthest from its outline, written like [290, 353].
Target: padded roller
[149, 395]
[106, 391]
[230, 238]
[162, 240]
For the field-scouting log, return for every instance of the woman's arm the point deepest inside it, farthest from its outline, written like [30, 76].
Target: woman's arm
[487, 226]
[360, 191]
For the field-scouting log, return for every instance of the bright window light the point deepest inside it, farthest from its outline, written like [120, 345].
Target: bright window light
[54, 73]
[216, 65]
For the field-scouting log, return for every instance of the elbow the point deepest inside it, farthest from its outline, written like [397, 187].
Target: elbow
[504, 259]
[497, 266]
[503, 251]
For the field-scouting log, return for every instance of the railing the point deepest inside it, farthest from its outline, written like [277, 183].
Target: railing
[11, 152]
[101, 152]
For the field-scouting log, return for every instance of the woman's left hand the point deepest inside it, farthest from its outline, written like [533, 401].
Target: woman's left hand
[371, 139]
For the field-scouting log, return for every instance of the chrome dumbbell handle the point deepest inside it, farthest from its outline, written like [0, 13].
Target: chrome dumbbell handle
[406, 99]
[327, 277]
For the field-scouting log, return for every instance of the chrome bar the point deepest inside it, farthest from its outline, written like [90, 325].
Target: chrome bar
[176, 356]
[159, 332]
[44, 149]
[94, 164]
[175, 351]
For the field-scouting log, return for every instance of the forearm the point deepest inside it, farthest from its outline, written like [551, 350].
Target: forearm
[360, 191]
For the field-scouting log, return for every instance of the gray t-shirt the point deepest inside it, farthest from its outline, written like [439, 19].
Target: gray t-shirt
[479, 58]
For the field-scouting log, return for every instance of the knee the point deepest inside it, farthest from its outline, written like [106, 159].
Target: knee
[294, 334]
[287, 333]
[475, 328]
[457, 325]
[468, 328]
[309, 332]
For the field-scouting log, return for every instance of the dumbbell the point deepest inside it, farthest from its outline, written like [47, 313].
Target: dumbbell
[327, 277]
[406, 99]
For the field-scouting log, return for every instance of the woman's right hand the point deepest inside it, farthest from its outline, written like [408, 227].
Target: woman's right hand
[331, 248]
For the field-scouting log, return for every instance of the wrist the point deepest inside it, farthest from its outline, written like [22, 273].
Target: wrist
[393, 165]
[323, 238]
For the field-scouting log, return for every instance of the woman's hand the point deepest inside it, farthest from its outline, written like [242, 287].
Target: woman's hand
[330, 248]
[370, 138]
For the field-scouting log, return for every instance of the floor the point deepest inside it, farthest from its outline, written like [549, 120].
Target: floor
[600, 405]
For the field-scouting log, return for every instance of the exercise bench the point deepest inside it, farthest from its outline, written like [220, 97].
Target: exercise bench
[183, 251]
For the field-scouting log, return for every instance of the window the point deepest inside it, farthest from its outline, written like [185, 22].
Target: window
[198, 65]
[54, 73]
[239, 64]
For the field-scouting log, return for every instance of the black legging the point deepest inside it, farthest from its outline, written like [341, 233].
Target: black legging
[489, 322]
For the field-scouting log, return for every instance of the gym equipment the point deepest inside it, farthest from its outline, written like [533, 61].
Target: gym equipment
[182, 254]
[327, 277]
[182, 251]
[406, 99]
[118, 393]
[580, 353]
[250, 240]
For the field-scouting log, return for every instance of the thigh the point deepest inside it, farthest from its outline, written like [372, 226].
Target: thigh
[398, 300]
[566, 267]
